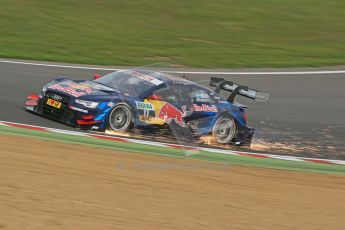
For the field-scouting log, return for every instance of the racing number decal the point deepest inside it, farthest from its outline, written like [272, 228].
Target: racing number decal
[146, 110]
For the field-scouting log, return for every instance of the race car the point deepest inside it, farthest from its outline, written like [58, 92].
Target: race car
[146, 99]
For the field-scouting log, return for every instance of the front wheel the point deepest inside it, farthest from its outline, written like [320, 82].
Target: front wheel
[120, 118]
[224, 130]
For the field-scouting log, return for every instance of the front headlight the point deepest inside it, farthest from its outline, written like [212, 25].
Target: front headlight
[43, 91]
[88, 104]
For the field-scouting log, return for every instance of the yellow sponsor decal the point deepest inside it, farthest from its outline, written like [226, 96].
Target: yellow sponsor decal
[157, 105]
[54, 103]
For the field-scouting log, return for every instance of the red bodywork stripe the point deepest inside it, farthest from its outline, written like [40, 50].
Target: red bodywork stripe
[83, 122]
[88, 117]
[33, 97]
[31, 103]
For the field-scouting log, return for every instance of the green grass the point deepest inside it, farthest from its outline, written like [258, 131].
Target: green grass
[198, 33]
[171, 152]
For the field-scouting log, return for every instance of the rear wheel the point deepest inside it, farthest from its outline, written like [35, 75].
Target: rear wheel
[224, 130]
[120, 118]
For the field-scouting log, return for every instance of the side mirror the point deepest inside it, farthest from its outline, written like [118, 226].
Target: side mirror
[155, 98]
[96, 76]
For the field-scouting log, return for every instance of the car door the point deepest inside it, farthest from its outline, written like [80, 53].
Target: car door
[164, 105]
[204, 109]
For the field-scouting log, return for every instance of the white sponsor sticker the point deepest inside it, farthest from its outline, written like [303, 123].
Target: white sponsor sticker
[205, 108]
[78, 109]
[145, 77]
[145, 106]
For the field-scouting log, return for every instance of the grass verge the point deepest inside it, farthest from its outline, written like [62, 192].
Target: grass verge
[198, 33]
[171, 152]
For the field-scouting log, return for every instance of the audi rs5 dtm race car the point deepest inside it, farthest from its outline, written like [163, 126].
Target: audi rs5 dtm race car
[146, 99]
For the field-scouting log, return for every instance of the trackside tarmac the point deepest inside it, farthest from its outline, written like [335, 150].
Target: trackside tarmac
[303, 117]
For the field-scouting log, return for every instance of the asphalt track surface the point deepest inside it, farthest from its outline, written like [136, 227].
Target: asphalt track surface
[305, 115]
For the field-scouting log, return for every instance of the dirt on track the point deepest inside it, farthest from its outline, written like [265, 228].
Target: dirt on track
[53, 185]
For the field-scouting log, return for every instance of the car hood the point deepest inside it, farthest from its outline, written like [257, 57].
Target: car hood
[82, 89]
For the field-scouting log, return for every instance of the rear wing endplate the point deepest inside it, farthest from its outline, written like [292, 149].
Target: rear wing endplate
[236, 89]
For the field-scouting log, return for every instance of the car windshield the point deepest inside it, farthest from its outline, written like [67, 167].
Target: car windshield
[130, 81]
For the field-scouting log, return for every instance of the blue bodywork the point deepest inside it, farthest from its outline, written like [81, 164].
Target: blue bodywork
[88, 104]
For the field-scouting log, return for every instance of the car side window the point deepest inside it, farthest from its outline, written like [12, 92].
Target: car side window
[168, 94]
[199, 95]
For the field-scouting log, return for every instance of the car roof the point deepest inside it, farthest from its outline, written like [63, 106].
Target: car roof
[169, 79]
[165, 77]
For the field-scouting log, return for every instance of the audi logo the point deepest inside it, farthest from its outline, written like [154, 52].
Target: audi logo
[56, 97]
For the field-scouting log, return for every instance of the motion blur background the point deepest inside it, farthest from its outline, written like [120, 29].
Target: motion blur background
[198, 33]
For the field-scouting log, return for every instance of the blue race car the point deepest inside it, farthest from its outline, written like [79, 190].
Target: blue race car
[145, 99]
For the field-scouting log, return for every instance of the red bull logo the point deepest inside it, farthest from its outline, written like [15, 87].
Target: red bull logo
[73, 89]
[82, 87]
[205, 108]
[169, 112]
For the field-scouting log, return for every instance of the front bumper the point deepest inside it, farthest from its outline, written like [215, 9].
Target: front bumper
[67, 113]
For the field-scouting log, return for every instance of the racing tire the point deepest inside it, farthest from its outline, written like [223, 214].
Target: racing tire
[224, 129]
[120, 118]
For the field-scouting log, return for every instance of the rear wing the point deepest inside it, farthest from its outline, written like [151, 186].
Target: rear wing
[236, 89]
